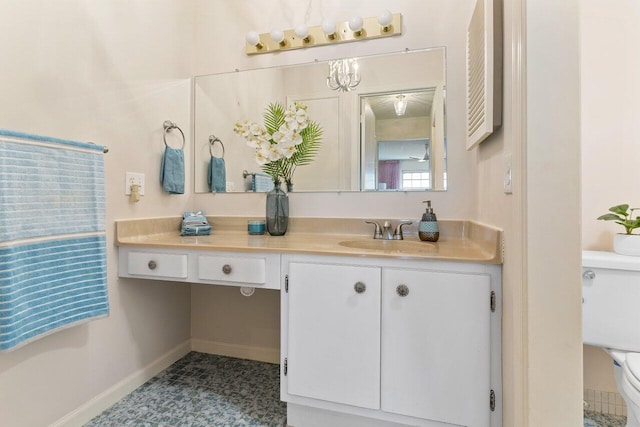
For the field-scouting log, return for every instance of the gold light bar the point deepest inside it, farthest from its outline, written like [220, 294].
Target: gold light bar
[371, 29]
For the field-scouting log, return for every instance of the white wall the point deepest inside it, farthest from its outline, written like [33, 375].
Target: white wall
[610, 66]
[111, 73]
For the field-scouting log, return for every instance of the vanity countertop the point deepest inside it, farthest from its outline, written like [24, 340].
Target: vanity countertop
[459, 240]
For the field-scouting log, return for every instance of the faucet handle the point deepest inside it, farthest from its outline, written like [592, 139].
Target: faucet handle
[397, 235]
[377, 233]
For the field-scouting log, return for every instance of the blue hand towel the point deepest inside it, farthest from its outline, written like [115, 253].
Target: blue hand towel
[172, 171]
[195, 224]
[217, 176]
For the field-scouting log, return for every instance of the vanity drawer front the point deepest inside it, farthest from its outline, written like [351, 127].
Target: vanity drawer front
[232, 269]
[158, 264]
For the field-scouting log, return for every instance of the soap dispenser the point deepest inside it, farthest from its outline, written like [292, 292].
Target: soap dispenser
[428, 228]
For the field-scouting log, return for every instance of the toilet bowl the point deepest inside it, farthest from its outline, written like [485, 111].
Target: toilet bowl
[627, 374]
[611, 319]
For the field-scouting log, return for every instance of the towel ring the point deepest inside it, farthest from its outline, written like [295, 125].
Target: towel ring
[212, 140]
[168, 127]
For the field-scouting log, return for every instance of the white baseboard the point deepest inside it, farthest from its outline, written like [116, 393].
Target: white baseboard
[261, 354]
[95, 406]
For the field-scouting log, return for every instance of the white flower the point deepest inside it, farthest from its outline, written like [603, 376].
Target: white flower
[273, 152]
[256, 129]
[255, 142]
[262, 157]
[296, 117]
[287, 152]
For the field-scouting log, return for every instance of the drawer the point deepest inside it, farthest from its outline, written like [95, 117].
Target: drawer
[232, 269]
[157, 265]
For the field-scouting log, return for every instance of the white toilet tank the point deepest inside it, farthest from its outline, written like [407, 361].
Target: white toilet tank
[611, 300]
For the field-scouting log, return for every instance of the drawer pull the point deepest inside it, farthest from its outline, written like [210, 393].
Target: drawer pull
[402, 290]
[360, 287]
[226, 269]
[152, 265]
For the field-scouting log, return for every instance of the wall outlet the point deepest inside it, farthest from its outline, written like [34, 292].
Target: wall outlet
[133, 178]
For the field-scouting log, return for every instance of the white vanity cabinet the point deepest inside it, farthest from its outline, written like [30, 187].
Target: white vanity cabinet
[395, 342]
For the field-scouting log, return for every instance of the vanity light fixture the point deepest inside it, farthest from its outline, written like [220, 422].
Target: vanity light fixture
[400, 105]
[344, 75]
[355, 29]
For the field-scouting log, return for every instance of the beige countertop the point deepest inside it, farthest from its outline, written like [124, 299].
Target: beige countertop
[459, 240]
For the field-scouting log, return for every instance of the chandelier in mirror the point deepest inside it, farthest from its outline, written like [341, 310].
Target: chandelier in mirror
[344, 75]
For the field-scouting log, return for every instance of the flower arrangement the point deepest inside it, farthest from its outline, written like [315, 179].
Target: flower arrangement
[287, 139]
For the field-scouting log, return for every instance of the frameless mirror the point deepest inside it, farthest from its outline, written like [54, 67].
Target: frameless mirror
[387, 133]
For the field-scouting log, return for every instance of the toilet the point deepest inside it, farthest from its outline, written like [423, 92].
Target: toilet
[611, 319]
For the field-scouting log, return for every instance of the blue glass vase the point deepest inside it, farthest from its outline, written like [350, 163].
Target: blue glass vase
[277, 211]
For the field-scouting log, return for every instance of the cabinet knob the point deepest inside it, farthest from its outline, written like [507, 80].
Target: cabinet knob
[360, 287]
[402, 290]
[226, 269]
[152, 265]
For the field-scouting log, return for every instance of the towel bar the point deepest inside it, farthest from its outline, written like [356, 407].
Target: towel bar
[212, 140]
[168, 127]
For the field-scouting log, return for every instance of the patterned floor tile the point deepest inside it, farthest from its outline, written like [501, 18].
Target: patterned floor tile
[202, 390]
[595, 419]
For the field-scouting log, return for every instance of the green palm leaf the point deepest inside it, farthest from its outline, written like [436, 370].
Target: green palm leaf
[310, 146]
[274, 117]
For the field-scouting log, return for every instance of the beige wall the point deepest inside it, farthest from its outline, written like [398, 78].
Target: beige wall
[610, 132]
[108, 72]
[542, 375]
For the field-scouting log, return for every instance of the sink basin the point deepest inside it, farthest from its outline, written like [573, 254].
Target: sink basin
[390, 246]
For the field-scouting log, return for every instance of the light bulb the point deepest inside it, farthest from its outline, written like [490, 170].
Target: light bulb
[400, 105]
[355, 24]
[302, 31]
[384, 20]
[278, 37]
[329, 28]
[253, 38]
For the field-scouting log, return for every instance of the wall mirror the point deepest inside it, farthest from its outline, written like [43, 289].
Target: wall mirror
[387, 133]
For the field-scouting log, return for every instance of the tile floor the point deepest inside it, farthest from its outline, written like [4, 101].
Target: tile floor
[203, 390]
[595, 419]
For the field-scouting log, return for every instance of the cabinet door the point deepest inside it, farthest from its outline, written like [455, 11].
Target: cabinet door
[334, 333]
[436, 346]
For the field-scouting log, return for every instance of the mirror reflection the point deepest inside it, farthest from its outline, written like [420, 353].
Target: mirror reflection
[385, 134]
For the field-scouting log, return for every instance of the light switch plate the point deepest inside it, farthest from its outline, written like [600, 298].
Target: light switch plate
[132, 178]
[507, 182]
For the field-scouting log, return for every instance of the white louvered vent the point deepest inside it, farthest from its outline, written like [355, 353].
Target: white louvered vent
[484, 72]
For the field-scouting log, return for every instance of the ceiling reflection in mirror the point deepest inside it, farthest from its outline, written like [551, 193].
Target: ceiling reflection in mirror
[385, 134]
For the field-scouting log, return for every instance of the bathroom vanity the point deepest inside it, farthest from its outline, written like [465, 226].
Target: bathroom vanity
[371, 333]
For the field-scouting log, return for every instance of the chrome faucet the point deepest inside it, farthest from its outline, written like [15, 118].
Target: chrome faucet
[384, 232]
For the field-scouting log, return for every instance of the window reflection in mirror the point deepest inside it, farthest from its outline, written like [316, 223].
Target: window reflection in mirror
[353, 149]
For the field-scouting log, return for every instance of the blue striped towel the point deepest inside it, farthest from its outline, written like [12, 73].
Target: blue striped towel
[52, 236]
[262, 182]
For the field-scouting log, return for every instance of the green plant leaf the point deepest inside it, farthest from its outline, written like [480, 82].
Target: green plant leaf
[620, 209]
[311, 141]
[273, 117]
[610, 217]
